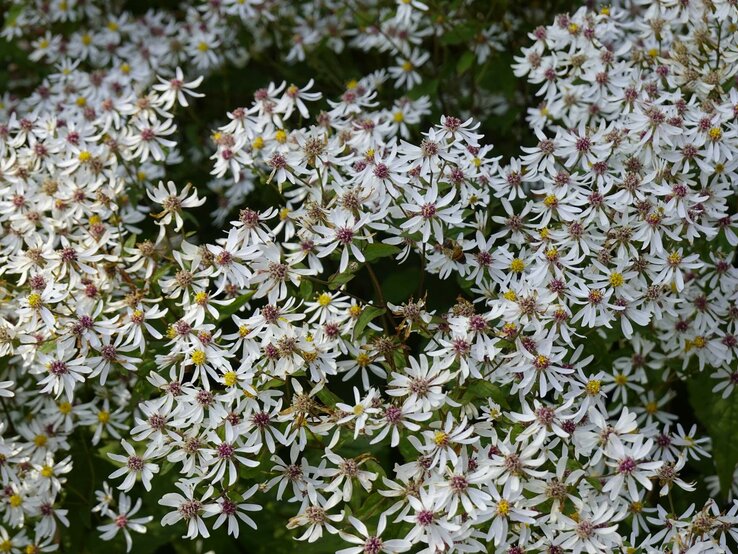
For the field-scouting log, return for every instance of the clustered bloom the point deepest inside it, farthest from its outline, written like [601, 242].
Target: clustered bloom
[531, 414]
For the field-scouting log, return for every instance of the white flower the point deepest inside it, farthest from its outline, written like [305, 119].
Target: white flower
[135, 466]
[173, 203]
[230, 511]
[372, 543]
[123, 522]
[188, 508]
[176, 89]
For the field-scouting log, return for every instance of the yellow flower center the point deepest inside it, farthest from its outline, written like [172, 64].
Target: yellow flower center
[40, 440]
[407, 66]
[616, 279]
[593, 387]
[34, 300]
[65, 408]
[399, 117]
[230, 378]
[517, 265]
[16, 500]
[716, 133]
[47, 471]
[198, 357]
[257, 143]
[503, 508]
[103, 416]
[324, 299]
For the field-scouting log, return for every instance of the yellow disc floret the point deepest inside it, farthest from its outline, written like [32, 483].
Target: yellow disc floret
[616, 279]
[517, 265]
[230, 378]
[198, 357]
[593, 387]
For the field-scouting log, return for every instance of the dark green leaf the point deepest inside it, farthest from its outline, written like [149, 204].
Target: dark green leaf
[378, 250]
[465, 62]
[328, 398]
[459, 34]
[233, 307]
[339, 279]
[720, 418]
[367, 314]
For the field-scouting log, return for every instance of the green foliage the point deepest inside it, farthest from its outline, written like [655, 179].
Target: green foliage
[720, 418]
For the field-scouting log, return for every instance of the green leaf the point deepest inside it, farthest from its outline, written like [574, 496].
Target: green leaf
[465, 62]
[407, 449]
[337, 280]
[460, 33]
[130, 241]
[426, 88]
[367, 314]
[306, 289]
[233, 307]
[720, 418]
[378, 250]
[328, 398]
[13, 13]
[479, 389]
[371, 505]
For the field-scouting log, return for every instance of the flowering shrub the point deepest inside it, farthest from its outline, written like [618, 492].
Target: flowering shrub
[345, 318]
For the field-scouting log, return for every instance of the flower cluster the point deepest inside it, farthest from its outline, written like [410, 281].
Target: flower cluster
[532, 413]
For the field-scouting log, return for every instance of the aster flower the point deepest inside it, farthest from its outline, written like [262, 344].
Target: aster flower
[177, 90]
[123, 522]
[135, 466]
[188, 507]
